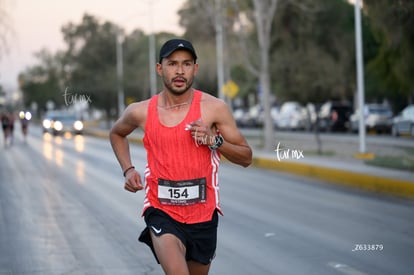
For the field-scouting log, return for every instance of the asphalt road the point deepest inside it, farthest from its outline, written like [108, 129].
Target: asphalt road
[63, 210]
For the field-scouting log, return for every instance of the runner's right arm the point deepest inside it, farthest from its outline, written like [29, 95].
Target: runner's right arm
[132, 118]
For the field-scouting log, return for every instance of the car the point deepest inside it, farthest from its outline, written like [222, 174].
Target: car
[255, 116]
[241, 117]
[403, 124]
[377, 117]
[292, 116]
[334, 116]
[249, 117]
[59, 122]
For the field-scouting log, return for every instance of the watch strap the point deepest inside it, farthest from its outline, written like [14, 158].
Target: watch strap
[218, 142]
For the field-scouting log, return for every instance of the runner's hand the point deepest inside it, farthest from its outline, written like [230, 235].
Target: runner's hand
[201, 132]
[133, 181]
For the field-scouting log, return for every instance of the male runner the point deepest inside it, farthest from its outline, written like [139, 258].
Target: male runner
[186, 131]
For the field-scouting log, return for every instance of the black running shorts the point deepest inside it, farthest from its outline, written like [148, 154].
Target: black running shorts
[200, 239]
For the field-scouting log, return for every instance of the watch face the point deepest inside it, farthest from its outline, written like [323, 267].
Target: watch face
[219, 141]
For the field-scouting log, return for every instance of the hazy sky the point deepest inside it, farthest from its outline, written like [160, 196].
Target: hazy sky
[37, 23]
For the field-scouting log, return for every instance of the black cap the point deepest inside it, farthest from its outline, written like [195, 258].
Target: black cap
[176, 44]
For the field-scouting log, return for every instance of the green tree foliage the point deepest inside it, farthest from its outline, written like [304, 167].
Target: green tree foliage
[136, 66]
[313, 51]
[91, 61]
[88, 67]
[197, 17]
[42, 82]
[312, 56]
[392, 69]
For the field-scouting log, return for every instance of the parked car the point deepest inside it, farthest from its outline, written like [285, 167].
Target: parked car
[403, 124]
[292, 116]
[241, 117]
[334, 116]
[274, 113]
[58, 122]
[255, 116]
[377, 117]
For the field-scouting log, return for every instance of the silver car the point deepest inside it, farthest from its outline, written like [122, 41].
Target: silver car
[403, 124]
[292, 116]
[377, 117]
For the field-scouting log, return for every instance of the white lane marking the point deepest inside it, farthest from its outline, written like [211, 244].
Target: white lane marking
[345, 269]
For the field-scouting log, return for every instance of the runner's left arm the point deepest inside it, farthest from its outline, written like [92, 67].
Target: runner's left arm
[235, 147]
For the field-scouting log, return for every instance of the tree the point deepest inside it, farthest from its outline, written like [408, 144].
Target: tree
[41, 83]
[87, 67]
[136, 68]
[314, 51]
[90, 60]
[393, 66]
[263, 15]
[199, 17]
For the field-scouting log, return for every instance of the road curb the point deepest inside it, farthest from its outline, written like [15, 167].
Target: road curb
[362, 181]
[372, 183]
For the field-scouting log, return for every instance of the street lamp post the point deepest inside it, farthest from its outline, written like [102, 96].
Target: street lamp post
[152, 58]
[219, 48]
[360, 83]
[120, 72]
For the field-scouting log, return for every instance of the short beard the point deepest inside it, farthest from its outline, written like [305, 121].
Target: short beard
[174, 91]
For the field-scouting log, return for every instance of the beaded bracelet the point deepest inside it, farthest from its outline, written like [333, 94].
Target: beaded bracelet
[129, 168]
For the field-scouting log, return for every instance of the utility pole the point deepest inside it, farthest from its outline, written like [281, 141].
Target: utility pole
[120, 71]
[152, 61]
[360, 83]
[219, 48]
[360, 76]
[152, 58]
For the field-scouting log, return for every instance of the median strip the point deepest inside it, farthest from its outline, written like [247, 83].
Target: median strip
[362, 181]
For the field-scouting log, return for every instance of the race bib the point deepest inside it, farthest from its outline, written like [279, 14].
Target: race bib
[183, 192]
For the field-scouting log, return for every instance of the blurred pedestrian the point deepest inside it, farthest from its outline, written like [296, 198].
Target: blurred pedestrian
[24, 122]
[6, 126]
[11, 126]
[186, 131]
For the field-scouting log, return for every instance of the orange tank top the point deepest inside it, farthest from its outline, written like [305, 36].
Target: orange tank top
[181, 176]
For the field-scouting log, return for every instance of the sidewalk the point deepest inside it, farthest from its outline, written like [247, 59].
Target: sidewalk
[338, 170]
